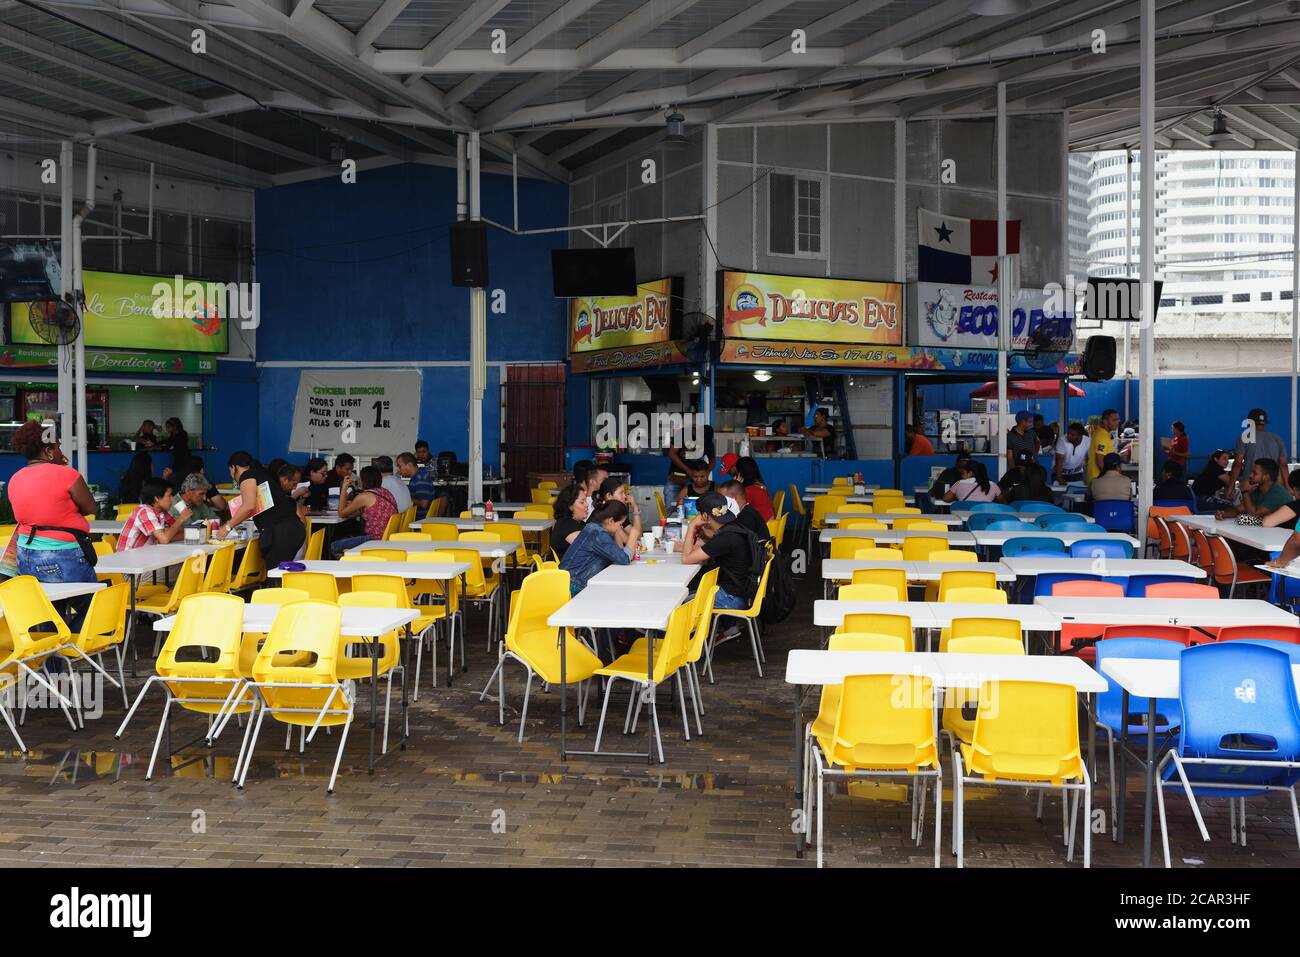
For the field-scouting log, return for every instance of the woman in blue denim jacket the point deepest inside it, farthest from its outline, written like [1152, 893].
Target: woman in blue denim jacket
[596, 547]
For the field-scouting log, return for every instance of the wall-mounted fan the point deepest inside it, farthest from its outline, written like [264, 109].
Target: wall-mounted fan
[1048, 344]
[697, 327]
[55, 321]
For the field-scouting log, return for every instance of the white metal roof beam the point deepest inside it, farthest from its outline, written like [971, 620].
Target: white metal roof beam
[142, 148]
[1265, 129]
[552, 23]
[477, 13]
[48, 119]
[625, 84]
[827, 24]
[379, 21]
[347, 130]
[583, 143]
[216, 13]
[70, 92]
[258, 142]
[466, 87]
[745, 18]
[1034, 25]
[907, 29]
[1124, 24]
[78, 62]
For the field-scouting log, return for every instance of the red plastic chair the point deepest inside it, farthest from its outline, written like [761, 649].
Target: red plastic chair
[1181, 590]
[1288, 633]
[1083, 589]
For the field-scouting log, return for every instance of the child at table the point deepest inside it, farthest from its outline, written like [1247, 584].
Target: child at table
[152, 523]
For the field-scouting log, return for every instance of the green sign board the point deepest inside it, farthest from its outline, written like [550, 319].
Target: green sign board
[167, 313]
[47, 357]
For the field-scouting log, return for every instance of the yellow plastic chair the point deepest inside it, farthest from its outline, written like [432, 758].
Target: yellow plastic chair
[750, 616]
[28, 642]
[907, 510]
[1026, 735]
[359, 668]
[882, 504]
[390, 527]
[659, 504]
[920, 548]
[921, 525]
[960, 704]
[404, 520]
[841, 480]
[877, 553]
[383, 555]
[440, 531]
[166, 601]
[411, 537]
[976, 596]
[547, 484]
[872, 592]
[252, 567]
[103, 547]
[963, 579]
[251, 642]
[778, 504]
[894, 578]
[535, 645]
[846, 546]
[954, 555]
[429, 615]
[540, 496]
[124, 511]
[448, 594]
[509, 532]
[221, 568]
[933, 590]
[897, 626]
[205, 623]
[308, 696]
[670, 654]
[824, 505]
[437, 507]
[796, 500]
[315, 546]
[103, 627]
[480, 587]
[884, 727]
[1007, 628]
[863, 523]
[319, 586]
[854, 508]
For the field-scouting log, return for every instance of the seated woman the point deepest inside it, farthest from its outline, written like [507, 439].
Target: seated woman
[570, 510]
[973, 485]
[374, 503]
[1213, 486]
[1112, 485]
[756, 493]
[152, 522]
[596, 547]
[1032, 486]
[613, 490]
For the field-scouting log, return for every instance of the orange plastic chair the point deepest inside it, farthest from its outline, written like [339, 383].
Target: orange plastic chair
[1088, 589]
[1181, 590]
[1228, 572]
[1157, 530]
[1287, 633]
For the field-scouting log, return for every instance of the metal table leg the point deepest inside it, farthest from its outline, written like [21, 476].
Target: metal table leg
[1150, 778]
[798, 771]
[1122, 774]
[406, 669]
[374, 699]
[564, 694]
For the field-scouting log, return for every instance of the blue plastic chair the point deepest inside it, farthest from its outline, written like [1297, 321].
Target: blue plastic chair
[983, 520]
[983, 507]
[1048, 520]
[1008, 525]
[1239, 704]
[1037, 507]
[1110, 703]
[1137, 584]
[1101, 547]
[1115, 516]
[1028, 547]
[1086, 528]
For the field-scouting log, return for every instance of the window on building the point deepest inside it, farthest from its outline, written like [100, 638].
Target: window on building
[795, 215]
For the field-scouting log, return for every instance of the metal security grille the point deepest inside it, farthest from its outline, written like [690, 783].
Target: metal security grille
[533, 429]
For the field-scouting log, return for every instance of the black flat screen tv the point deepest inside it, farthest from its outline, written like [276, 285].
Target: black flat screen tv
[594, 272]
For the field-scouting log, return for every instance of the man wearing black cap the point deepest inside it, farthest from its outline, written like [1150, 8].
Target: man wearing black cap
[1022, 442]
[1256, 443]
[715, 539]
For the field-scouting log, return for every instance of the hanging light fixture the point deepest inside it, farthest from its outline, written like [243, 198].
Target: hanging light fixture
[1219, 136]
[675, 138]
[998, 8]
[762, 375]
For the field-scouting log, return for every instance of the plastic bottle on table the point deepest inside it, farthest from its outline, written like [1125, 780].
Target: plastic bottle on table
[487, 511]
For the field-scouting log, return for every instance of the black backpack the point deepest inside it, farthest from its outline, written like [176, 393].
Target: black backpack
[757, 557]
[781, 595]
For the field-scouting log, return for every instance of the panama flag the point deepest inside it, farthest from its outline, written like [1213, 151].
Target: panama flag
[962, 252]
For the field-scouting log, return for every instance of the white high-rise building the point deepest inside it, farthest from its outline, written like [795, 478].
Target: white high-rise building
[1223, 250]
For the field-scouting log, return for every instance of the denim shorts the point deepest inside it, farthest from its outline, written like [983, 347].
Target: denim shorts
[725, 600]
[55, 564]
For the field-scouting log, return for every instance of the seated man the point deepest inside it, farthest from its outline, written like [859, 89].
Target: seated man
[194, 497]
[1172, 486]
[1261, 494]
[420, 481]
[715, 539]
[700, 480]
[1112, 484]
[746, 515]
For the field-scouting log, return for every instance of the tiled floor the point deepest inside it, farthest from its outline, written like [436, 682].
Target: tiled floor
[464, 792]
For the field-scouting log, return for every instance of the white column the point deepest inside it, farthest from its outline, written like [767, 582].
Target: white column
[1147, 365]
[1067, 271]
[477, 344]
[68, 267]
[79, 350]
[1128, 265]
[900, 200]
[1004, 278]
[1295, 302]
[709, 257]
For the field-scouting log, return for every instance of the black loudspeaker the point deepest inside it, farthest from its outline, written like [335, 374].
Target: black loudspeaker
[469, 254]
[1099, 359]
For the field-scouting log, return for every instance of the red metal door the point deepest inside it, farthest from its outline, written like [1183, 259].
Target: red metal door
[533, 408]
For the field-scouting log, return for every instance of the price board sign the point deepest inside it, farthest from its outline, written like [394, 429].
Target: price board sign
[361, 412]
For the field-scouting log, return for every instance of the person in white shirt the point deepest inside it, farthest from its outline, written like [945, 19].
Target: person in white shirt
[1071, 455]
[391, 482]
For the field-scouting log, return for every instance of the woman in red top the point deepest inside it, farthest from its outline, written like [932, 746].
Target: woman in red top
[48, 492]
[375, 503]
[755, 491]
[1179, 447]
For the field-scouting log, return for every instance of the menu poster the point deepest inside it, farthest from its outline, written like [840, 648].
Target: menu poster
[264, 500]
[364, 412]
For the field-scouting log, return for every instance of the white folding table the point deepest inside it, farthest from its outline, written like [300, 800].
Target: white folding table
[1256, 536]
[889, 518]
[367, 624]
[842, 569]
[890, 536]
[641, 574]
[476, 524]
[811, 491]
[996, 539]
[1064, 565]
[1209, 613]
[964, 514]
[612, 608]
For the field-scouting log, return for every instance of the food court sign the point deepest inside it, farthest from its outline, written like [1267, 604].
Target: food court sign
[966, 317]
[624, 322]
[47, 357]
[365, 412]
[810, 309]
[760, 352]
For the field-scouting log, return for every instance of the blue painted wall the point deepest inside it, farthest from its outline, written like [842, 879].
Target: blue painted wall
[361, 273]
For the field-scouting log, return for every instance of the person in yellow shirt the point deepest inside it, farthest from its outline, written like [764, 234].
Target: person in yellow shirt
[1101, 443]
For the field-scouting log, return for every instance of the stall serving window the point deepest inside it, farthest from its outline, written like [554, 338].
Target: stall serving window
[114, 412]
